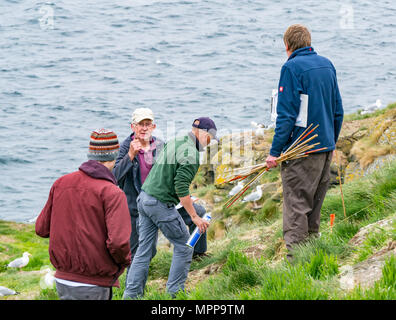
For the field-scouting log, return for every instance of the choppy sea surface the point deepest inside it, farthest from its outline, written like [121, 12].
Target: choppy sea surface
[68, 67]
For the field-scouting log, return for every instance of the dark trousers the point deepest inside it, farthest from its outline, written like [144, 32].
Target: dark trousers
[66, 292]
[201, 245]
[134, 238]
[305, 182]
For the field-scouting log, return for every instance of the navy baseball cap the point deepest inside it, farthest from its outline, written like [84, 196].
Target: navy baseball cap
[207, 124]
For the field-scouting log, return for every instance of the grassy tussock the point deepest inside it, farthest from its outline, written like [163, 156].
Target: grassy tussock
[315, 271]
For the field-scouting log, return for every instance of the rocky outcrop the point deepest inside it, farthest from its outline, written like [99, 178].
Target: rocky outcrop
[367, 272]
[367, 144]
[364, 145]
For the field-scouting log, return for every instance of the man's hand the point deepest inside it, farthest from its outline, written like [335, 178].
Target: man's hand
[200, 223]
[134, 148]
[271, 162]
[187, 203]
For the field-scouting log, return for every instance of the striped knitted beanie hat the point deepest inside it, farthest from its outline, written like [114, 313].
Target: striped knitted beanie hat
[103, 145]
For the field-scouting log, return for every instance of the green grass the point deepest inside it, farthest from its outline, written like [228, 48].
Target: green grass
[241, 271]
[269, 212]
[321, 265]
[329, 244]
[18, 238]
[389, 273]
[48, 294]
[313, 274]
[374, 241]
[285, 283]
[368, 199]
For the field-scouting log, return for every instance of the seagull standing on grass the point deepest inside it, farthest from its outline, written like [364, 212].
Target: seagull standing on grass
[236, 189]
[254, 196]
[373, 107]
[6, 292]
[20, 262]
[260, 128]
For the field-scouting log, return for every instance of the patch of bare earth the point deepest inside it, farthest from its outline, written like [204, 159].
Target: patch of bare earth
[197, 276]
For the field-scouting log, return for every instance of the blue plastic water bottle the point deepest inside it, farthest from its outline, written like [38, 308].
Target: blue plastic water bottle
[196, 234]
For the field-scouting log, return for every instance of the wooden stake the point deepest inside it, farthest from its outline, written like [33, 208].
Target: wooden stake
[298, 139]
[298, 149]
[339, 178]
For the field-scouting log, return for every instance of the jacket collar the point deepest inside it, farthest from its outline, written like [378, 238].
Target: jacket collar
[302, 52]
[199, 147]
[97, 170]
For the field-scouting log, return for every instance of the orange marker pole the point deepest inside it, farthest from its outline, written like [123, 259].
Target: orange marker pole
[332, 217]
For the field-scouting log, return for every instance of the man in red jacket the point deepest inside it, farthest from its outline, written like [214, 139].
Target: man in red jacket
[87, 220]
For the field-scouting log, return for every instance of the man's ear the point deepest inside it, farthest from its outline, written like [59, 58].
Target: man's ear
[132, 127]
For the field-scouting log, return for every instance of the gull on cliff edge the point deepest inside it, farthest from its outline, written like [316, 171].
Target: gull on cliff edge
[260, 128]
[371, 108]
[236, 189]
[254, 196]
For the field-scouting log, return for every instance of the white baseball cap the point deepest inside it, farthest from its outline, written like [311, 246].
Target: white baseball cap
[141, 114]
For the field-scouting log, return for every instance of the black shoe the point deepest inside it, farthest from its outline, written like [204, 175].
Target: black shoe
[200, 256]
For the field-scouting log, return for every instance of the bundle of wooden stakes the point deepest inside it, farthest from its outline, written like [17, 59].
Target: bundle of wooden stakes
[299, 149]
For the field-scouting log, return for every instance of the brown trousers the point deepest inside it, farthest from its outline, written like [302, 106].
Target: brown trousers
[305, 182]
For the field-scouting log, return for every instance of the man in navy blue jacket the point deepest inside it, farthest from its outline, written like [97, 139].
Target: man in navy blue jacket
[305, 181]
[137, 154]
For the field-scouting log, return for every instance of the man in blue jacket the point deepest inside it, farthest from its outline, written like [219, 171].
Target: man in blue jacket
[305, 76]
[135, 159]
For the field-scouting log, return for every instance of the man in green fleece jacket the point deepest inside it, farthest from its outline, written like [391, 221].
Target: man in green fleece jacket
[166, 185]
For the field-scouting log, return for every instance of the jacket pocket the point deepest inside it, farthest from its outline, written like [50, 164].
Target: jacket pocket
[150, 202]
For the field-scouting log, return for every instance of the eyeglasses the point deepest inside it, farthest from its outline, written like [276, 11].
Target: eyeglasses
[144, 125]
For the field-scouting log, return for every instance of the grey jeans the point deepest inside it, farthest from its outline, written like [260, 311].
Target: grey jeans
[201, 246]
[154, 215]
[305, 182]
[66, 292]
